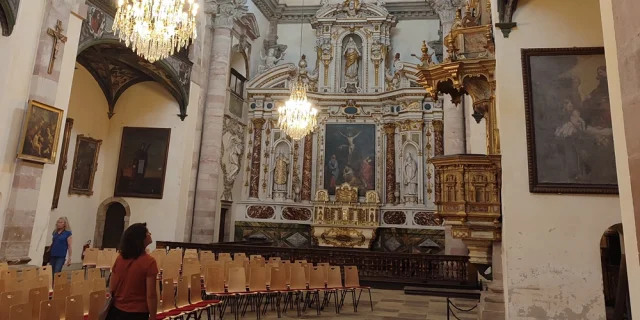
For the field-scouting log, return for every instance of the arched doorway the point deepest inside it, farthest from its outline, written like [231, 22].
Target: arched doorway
[113, 225]
[614, 274]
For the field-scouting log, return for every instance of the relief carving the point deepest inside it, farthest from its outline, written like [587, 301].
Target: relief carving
[232, 150]
[260, 212]
[296, 213]
[425, 219]
[394, 217]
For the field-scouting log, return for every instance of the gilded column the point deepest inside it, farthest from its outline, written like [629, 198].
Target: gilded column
[306, 168]
[390, 170]
[438, 137]
[254, 181]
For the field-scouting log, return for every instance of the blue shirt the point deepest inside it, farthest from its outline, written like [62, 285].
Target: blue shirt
[59, 244]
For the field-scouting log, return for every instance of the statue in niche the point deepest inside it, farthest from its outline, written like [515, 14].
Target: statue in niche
[234, 158]
[352, 56]
[271, 59]
[410, 176]
[351, 7]
[281, 173]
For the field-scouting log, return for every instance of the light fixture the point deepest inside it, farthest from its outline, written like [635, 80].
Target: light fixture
[297, 117]
[154, 29]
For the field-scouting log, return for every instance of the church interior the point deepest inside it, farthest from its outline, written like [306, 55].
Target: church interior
[400, 144]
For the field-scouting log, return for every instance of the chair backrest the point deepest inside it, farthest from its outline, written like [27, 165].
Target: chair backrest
[20, 312]
[77, 275]
[78, 287]
[104, 260]
[28, 284]
[43, 281]
[99, 284]
[36, 296]
[2, 286]
[298, 279]
[90, 257]
[275, 259]
[239, 255]
[61, 278]
[307, 271]
[93, 274]
[8, 299]
[316, 279]
[206, 257]
[214, 280]
[174, 256]
[237, 280]
[9, 274]
[278, 279]
[351, 277]
[258, 280]
[74, 308]
[46, 271]
[224, 256]
[287, 271]
[159, 255]
[255, 256]
[51, 309]
[190, 266]
[334, 277]
[267, 270]
[61, 291]
[182, 299]
[300, 261]
[29, 273]
[195, 288]
[171, 269]
[168, 294]
[97, 300]
[4, 266]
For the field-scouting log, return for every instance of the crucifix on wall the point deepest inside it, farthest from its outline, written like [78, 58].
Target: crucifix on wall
[57, 36]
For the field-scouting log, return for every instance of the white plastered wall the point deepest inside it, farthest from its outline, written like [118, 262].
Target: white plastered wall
[551, 254]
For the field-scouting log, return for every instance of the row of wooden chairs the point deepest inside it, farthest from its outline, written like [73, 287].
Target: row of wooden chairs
[100, 259]
[36, 305]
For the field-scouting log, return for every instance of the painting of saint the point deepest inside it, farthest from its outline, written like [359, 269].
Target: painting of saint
[143, 162]
[569, 131]
[350, 156]
[85, 163]
[40, 133]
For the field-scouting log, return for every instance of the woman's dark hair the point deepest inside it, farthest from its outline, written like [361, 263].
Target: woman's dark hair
[132, 242]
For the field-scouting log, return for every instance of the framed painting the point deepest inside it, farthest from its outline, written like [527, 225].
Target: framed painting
[85, 164]
[40, 132]
[349, 157]
[142, 164]
[568, 121]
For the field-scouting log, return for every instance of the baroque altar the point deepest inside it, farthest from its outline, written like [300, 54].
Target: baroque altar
[345, 222]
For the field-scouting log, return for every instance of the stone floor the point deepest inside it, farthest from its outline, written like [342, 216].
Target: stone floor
[388, 305]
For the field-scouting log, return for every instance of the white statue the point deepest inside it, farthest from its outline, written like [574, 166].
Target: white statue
[352, 60]
[280, 173]
[234, 158]
[410, 175]
[270, 60]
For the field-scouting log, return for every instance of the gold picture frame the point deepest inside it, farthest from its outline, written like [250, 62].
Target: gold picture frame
[40, 133]
[85, 164]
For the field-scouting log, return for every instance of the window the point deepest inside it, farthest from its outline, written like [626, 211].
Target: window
[236, 83]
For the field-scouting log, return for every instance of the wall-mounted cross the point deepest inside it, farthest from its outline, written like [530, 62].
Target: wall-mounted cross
[57, 35]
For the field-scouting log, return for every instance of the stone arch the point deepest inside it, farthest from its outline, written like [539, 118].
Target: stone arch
[101, 217]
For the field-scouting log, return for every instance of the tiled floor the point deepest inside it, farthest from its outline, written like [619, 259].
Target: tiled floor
[387, 305]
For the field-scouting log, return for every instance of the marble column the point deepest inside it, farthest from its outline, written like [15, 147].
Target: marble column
[254, 180]
[390, 163]
[206, 206]
[307, 165]
[52, 88]
[438, 138]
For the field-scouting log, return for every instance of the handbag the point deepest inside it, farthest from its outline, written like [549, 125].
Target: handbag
[108, 304]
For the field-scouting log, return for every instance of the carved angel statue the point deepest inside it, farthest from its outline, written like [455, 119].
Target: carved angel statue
[274, 55]
[351, 7]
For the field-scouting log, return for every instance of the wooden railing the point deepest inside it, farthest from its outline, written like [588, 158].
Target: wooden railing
[398, 268]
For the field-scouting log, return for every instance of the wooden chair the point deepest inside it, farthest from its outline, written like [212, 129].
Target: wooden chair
[9, 299]
[20, 312]
[36, 296]
[61, 291]
[190, 266]
[275, 260]
[61, 278]
[159, 255]
[90, 257]
[83, 288]
[171, 269]
[214, 281]
[97, 300]
[298, 286]
[74, 308]
[99, 284]
[277, 288]
[46, 271]
[239, 255]
[167, 307]
[206, 257]
[334, 282]
[195, 295]
[257, 287]
[237, 286]
[224, 256]
[94, 274]
[317, 284]
[77, 275]
[9, 275]
[49, 310]
[103, 261]
[352, 283]
[29, 273]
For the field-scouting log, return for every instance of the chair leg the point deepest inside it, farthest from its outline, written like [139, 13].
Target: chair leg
[370, 300]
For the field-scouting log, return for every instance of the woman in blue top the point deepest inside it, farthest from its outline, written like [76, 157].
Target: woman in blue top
[61, 244]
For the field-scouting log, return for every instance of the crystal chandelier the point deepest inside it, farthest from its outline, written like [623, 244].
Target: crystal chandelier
[297, 117]
[155, 28]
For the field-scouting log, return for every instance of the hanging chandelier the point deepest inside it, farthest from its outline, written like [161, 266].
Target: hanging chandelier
[297, 117]
[154, 29]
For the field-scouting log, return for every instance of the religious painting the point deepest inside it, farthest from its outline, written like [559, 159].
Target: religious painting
[85, 164]
[349, 157]
[143, 162]
[40, 132]
[569, 134]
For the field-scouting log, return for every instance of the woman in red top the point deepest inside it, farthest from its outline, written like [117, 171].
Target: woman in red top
[133, 278]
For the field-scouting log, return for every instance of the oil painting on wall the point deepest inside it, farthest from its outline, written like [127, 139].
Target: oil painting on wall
[85, 163]
[569, 134]
[350, 156]
[143, 162]
[40, 133]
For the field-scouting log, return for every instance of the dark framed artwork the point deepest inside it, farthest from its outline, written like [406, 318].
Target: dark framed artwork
[40, 132]
[142, 163]
[568, 121]
[85, 164]
[350, 153]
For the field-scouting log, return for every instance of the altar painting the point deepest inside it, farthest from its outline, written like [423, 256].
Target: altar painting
[349, 157]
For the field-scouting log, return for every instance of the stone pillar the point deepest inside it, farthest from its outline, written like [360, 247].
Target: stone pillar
[254, 180]
[390, 165]
[438, 138]
[22, 201]
[207, 201]
[307, 165]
